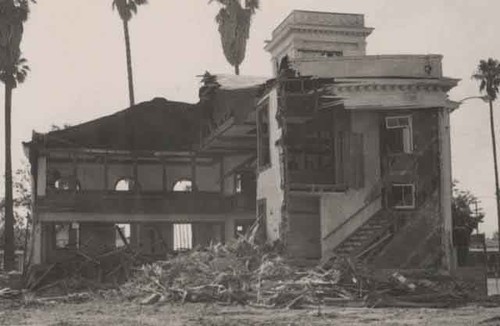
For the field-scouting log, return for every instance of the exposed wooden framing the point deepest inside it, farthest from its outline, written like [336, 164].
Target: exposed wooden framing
[135, 171]
[74, 164]
[106, 172]
[193, 173]
[67, 217]
[239, 166]
[139, 154]
[219, 131]
[141, 162]
[221, 174]
[164, 181]
[238, 138]
[230, 149]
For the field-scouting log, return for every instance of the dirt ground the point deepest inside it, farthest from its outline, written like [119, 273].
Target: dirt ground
[107, 313]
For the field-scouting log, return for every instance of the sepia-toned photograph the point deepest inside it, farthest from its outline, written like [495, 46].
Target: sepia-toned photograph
[249, 162]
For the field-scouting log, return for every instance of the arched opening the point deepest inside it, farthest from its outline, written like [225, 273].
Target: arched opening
[184, 185]
[126, 184]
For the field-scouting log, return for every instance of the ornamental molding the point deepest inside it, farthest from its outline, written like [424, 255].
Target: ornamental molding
[394, 87]
[318, 30]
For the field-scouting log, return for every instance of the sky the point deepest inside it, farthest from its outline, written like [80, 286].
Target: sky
[76, 54]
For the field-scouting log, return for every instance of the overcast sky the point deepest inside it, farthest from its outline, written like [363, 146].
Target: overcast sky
[77, 59]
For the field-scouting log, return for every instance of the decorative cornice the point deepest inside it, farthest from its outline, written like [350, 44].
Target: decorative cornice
[437, 86]
[312, 29]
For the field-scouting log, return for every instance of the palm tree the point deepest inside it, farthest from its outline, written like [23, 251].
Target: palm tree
[126, 9]
[488, 75]
[234, 28]
[13, 70]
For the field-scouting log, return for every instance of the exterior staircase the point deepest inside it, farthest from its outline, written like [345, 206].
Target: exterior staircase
[367, 237]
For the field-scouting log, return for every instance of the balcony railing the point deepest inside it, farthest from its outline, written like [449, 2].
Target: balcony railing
[142, 203]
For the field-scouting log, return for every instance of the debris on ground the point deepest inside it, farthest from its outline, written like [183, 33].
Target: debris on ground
[241, 272]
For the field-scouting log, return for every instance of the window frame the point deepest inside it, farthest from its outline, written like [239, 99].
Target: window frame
[413, 196]
[73, 228]
[408, 142]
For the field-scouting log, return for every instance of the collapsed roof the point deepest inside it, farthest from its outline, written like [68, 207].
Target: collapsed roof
[160, 124]
[157, 125]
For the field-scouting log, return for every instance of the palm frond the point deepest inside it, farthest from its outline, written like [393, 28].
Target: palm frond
[127, 8]
[488, 75]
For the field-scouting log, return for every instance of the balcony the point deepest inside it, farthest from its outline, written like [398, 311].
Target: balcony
[143, 203]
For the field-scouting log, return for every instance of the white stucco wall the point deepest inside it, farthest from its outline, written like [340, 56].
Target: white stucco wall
[336, 208]
[269, 180]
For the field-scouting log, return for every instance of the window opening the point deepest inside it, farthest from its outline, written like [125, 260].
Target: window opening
[126, 184]
[125, 229]
[403, 196]
[67, 184]
[400, 134]
[183, 237]
[237, 183]
[183, 185]
[66, 235]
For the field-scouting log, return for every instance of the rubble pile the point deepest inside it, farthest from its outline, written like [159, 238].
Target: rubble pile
[242, 273]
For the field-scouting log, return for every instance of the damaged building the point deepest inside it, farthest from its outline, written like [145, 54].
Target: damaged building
[339, 153]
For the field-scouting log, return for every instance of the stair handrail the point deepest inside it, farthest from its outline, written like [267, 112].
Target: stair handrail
[347, 220]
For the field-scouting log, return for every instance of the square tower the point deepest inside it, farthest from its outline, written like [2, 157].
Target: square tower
[313, 35]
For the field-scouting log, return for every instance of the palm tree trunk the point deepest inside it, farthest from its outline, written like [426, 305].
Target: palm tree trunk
[493, 141]
[8, 258]
[237, 69]
[129, 63]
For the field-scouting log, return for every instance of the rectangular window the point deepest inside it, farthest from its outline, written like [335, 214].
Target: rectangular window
[402, 196]
[263, 136]
[66, 235]
[399, 134]
[237, 183]
[183, 237]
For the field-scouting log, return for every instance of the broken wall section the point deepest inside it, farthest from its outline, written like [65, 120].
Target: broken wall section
[270, 193]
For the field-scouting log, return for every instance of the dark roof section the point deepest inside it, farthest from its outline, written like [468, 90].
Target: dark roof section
[157, 125]
[225, 96]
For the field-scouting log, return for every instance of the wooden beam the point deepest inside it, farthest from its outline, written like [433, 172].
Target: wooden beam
[75, 171]
[193, 173]
[221, 174]
[239, 166]
[135, 172]
[239, 138]
[66, 217]
[219, 131]
[106, 172]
